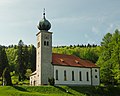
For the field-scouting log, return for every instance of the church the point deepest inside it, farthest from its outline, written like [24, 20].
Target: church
[65, 69]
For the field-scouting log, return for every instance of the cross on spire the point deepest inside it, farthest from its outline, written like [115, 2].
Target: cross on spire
[44, 12]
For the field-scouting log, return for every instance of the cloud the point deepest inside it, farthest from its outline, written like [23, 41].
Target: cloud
[101, 19]
[73, 19]
[86, 36]
[95, 30]
[110, 28]
[7, 2]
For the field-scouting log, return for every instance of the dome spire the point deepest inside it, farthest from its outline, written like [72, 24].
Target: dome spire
[44, 24]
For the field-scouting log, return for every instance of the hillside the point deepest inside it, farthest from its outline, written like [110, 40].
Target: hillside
[58, 91]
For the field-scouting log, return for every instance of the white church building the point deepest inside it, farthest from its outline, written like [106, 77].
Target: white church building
[65, 69]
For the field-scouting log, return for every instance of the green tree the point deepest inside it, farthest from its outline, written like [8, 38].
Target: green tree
[12, 54]
[32, 58]
[104, 60]
[25, 56]
[6, 77]
[3, 60]
[20, 59]
[115, 57]
[28, 73]
[109, 60]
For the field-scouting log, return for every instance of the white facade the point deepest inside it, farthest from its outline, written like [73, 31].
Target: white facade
[82, 76]
[95, 76]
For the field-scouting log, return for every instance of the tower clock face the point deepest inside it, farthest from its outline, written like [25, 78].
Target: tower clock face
[46, 36]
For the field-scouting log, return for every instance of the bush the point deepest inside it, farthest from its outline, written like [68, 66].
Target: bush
[20, 83]
[51, 81]
[26, 82]
[14, 82]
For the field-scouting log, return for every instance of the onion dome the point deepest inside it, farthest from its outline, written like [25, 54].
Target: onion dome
[44, 24]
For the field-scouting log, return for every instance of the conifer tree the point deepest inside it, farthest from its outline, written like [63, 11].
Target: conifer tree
[109, 60]
[21, 67]
[6, 77]
[3, 60]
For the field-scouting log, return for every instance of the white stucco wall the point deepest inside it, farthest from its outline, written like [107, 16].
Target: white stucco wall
[69, 75]
[95, 76]
[33, 81]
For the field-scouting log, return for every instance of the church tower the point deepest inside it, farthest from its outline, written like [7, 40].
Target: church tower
[44, 65]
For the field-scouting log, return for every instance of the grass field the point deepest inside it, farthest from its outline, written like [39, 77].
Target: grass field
[58, 91]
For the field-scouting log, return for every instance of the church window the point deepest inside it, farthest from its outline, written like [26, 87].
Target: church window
[56, 74]
[80, 76]
[73, 76]
[87, 76]
[65, 76]
[95, 70]
[38, 44]
[95, 76]
[45, 43]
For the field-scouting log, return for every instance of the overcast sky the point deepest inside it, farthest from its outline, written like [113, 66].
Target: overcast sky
[73, 21]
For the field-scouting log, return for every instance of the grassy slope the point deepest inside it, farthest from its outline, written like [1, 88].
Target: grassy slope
[58, 91]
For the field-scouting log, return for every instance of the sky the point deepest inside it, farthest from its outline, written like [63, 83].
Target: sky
[73, 21]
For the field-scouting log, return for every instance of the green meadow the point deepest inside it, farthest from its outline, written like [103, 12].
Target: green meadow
[58, 91]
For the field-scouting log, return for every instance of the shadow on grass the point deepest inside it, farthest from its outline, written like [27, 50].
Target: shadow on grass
[88, 90]
[97, 90]
[20, 88]
[81, 89]
[63, 90]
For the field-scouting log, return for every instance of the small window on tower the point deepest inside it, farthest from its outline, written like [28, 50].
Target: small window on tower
[45, 43]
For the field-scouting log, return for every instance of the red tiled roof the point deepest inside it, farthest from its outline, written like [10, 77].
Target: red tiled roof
[70, 60]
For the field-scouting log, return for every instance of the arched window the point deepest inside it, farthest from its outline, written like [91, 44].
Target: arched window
[56, 74]
[80, 76]
[87, 76]
[65, 76]
[73, 76]
[45, 43]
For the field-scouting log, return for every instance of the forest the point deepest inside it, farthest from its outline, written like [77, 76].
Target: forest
[17, 62]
